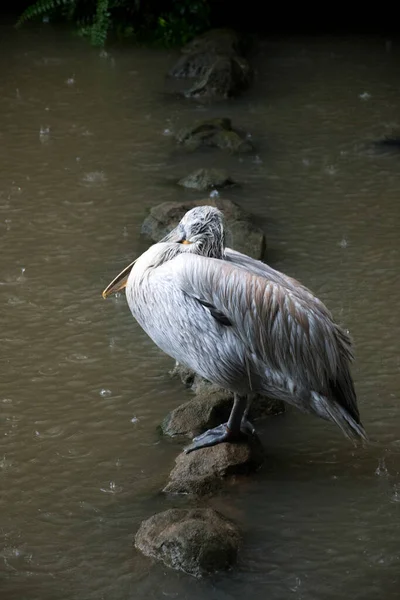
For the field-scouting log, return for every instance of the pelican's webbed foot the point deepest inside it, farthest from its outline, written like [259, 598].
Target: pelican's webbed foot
[220, 434]
[211, 437]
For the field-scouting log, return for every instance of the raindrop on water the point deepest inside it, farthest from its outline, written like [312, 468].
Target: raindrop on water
[105, 393]
[381, 469]
[96, 177]
[22, 276]
[113, 488]
[330, 170]
[44, 134]
[396, 493]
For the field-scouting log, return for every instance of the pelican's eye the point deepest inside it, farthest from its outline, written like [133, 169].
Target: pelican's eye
[185, 242]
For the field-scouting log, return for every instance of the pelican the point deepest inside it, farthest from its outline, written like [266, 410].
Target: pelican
[241, 325]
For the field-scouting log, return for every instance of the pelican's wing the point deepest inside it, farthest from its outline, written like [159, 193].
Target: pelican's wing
[277, 326]
[263, 270]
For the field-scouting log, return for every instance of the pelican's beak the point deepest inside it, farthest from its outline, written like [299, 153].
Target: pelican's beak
[119, 282]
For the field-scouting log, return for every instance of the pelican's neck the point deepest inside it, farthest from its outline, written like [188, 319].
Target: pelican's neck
[154, 257]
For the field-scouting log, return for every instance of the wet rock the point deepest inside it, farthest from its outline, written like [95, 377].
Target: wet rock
[216, 41]
[216, 59]
[197, 541]
[193, 65]
[206, 179]
[205, 470]
[205, 126]
[214, 133]
[242, 234]
[231, 141]
[198, 415]
[209, 409]
[186, 375]
[228, 76]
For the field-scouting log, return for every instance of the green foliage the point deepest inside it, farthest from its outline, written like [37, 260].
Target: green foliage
[169, 23]
[41, 8]
[98, 30]
[185, 19]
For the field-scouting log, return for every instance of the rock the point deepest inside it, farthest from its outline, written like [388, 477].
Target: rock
[217, 133]
[198, 541]
[193, 65]
[205, 127]
[231, 141]
[208, 410]
[186, 375]
[217, 41]
[204, 471]
[226, 77]
[206, 179]
[198, 415]
[245, 237]
[216, 59]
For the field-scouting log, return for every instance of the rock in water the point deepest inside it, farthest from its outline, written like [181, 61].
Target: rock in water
[198, 415]
[206, 179]
[193, 65]
[226, 77]
[203, 471]
[216, 58]
[197, 541]
[217, 133]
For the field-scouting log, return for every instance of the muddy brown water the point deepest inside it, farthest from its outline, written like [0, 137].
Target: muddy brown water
[86, 150]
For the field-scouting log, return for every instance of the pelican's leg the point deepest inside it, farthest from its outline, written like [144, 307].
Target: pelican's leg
[227, 432]
[245, 426]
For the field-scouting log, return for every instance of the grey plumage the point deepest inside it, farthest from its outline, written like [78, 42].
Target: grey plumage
[241, 324]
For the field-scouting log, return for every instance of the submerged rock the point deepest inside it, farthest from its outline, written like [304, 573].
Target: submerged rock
[206, 179]
[203, 471]
[197, 541]
[213, 133]
[244, 235]
[226, 77]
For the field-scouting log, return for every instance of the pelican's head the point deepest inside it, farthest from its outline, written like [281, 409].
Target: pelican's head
[201, 230]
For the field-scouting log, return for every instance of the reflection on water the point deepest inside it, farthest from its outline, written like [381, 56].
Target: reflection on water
[86, 150]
